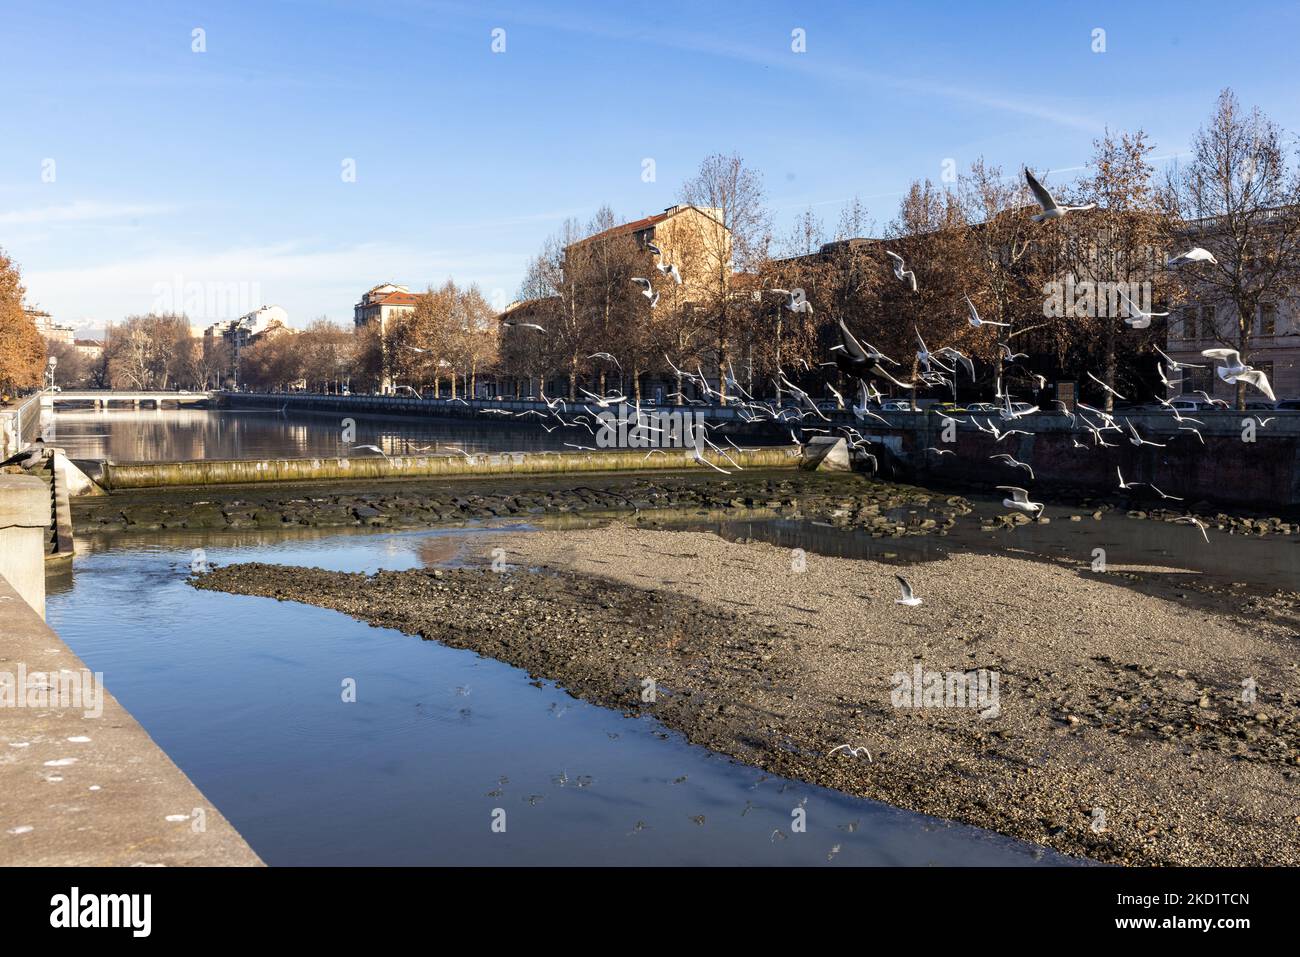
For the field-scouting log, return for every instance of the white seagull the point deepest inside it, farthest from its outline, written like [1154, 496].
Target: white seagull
[1136, 317]
[1194, 255]
[1193, 520]
[1234, 370]
[1106, 387]
[900, 273]
[670, 269]
[1009, 460]
[975, 320]
[905, 587]
[1020, 500]
[1051, 208]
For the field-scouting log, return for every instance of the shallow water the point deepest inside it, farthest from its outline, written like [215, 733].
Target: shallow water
[245, 695]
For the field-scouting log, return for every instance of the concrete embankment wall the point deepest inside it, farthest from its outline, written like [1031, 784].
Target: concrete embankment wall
[82, 783]
[136, 475]
[1226, 470]
[20, 425]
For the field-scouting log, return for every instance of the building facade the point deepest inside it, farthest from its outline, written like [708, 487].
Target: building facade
[47, 327]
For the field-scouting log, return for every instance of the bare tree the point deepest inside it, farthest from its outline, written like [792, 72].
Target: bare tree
[738, 233]
[1239, 198]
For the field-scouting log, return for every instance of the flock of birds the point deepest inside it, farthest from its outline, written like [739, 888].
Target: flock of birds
[935, 369]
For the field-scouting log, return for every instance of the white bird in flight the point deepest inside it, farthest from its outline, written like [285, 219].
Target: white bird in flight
[975, 320]
[1234, 370]
[1194, 255]
[1020, 500]
[1106, 387]
[522, 325]
[905, 587]
[1193, 520]
[1013, 463]
[1051, 208]
[901, 273]
[1136, 317]
[670, 269]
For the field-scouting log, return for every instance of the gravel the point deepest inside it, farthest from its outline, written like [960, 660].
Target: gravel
[1122, 731]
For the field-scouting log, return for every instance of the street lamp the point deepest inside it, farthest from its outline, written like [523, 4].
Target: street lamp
[53, 362]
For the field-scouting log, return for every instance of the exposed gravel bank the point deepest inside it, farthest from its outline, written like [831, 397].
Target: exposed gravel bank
[1120, 731]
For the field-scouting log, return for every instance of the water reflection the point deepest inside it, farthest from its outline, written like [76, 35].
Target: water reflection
[146, 435]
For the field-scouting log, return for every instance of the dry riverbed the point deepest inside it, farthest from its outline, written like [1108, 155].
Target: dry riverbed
[1122, 730]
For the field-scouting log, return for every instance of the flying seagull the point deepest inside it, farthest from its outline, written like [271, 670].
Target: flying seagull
[793, 302]
[1194, 255]
[1020, 500]
[905, 587]
[900, 273]
[522, 325]
[670, 269]
[975, 320]
[1193, 520]
[1051, 208]
[1234, 370]
[1106, 387]
[1175, 365]
[1137, 318]
[1013, 463]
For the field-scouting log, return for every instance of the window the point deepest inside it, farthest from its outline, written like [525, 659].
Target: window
[1267, 318]
[1189, 324]
[1197, 380]
[1209, 329]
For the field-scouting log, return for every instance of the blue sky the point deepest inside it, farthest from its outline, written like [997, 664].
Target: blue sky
[223, 168]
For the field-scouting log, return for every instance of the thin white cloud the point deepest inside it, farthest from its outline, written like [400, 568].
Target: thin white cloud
[80, 211]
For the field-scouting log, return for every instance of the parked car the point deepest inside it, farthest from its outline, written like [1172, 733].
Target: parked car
[1287, 405]
[981, 407]
[898, 405]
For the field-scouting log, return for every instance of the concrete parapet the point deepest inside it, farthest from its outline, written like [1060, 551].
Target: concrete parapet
[24, 524]
[81, 783]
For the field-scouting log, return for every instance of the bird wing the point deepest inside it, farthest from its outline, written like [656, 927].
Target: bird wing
[1019, 494]
[851, 345]
[1260, 381]
[904, 586]
[895, 257]
[1231, 356]
[1041, 194]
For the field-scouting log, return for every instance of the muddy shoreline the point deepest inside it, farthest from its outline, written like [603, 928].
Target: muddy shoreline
[1121, 733]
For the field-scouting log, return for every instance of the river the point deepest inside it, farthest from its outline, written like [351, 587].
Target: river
[245, 695]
